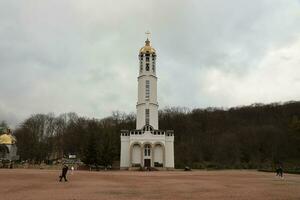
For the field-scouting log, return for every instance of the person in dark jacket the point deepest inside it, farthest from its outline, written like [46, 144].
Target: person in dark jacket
[64, 173]
[279, 171]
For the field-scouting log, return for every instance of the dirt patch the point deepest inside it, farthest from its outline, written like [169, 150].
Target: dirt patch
[33, 184]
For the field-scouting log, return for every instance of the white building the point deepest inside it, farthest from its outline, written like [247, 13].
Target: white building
[8, 147]
[147, 146]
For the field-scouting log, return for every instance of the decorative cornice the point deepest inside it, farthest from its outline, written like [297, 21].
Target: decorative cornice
[146, 75]
[156, 104]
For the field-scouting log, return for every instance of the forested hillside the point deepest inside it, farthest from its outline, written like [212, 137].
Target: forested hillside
[256, 136]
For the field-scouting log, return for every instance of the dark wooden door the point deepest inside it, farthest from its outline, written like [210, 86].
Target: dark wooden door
[147, 162]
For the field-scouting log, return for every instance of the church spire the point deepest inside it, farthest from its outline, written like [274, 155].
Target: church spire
[147, 48]
[147, 42]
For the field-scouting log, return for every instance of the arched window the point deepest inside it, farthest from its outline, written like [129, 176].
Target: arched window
[147, 150]
[148, 128]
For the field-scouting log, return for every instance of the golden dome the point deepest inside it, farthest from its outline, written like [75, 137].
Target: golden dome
[147, 48]
[7, 139]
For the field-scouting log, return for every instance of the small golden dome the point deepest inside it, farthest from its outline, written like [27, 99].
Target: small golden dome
[147, 48]
[7, 139]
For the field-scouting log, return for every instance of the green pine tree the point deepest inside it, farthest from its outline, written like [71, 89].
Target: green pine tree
[91, 153]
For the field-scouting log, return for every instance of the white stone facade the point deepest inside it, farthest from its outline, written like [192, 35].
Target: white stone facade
[147, 146]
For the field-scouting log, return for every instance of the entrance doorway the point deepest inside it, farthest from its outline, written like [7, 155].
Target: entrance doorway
[147, 162]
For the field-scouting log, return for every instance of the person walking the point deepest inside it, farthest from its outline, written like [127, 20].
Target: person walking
[72, 169]
[64, 173]
[279, 171]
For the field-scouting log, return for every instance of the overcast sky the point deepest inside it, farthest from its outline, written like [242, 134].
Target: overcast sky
[81, 56]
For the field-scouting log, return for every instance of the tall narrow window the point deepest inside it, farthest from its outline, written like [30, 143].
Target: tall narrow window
[147, 150]
[147, 95]
[147, 66]
[141, 66]
[147, 116]
[153, 67]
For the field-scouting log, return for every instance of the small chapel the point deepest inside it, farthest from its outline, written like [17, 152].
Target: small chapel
[147, 146]
[8, 147]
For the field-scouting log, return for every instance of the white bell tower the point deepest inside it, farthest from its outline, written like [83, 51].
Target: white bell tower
[147, 146]
[147, 105]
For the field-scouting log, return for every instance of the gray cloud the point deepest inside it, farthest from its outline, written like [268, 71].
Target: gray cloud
[81, 56]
